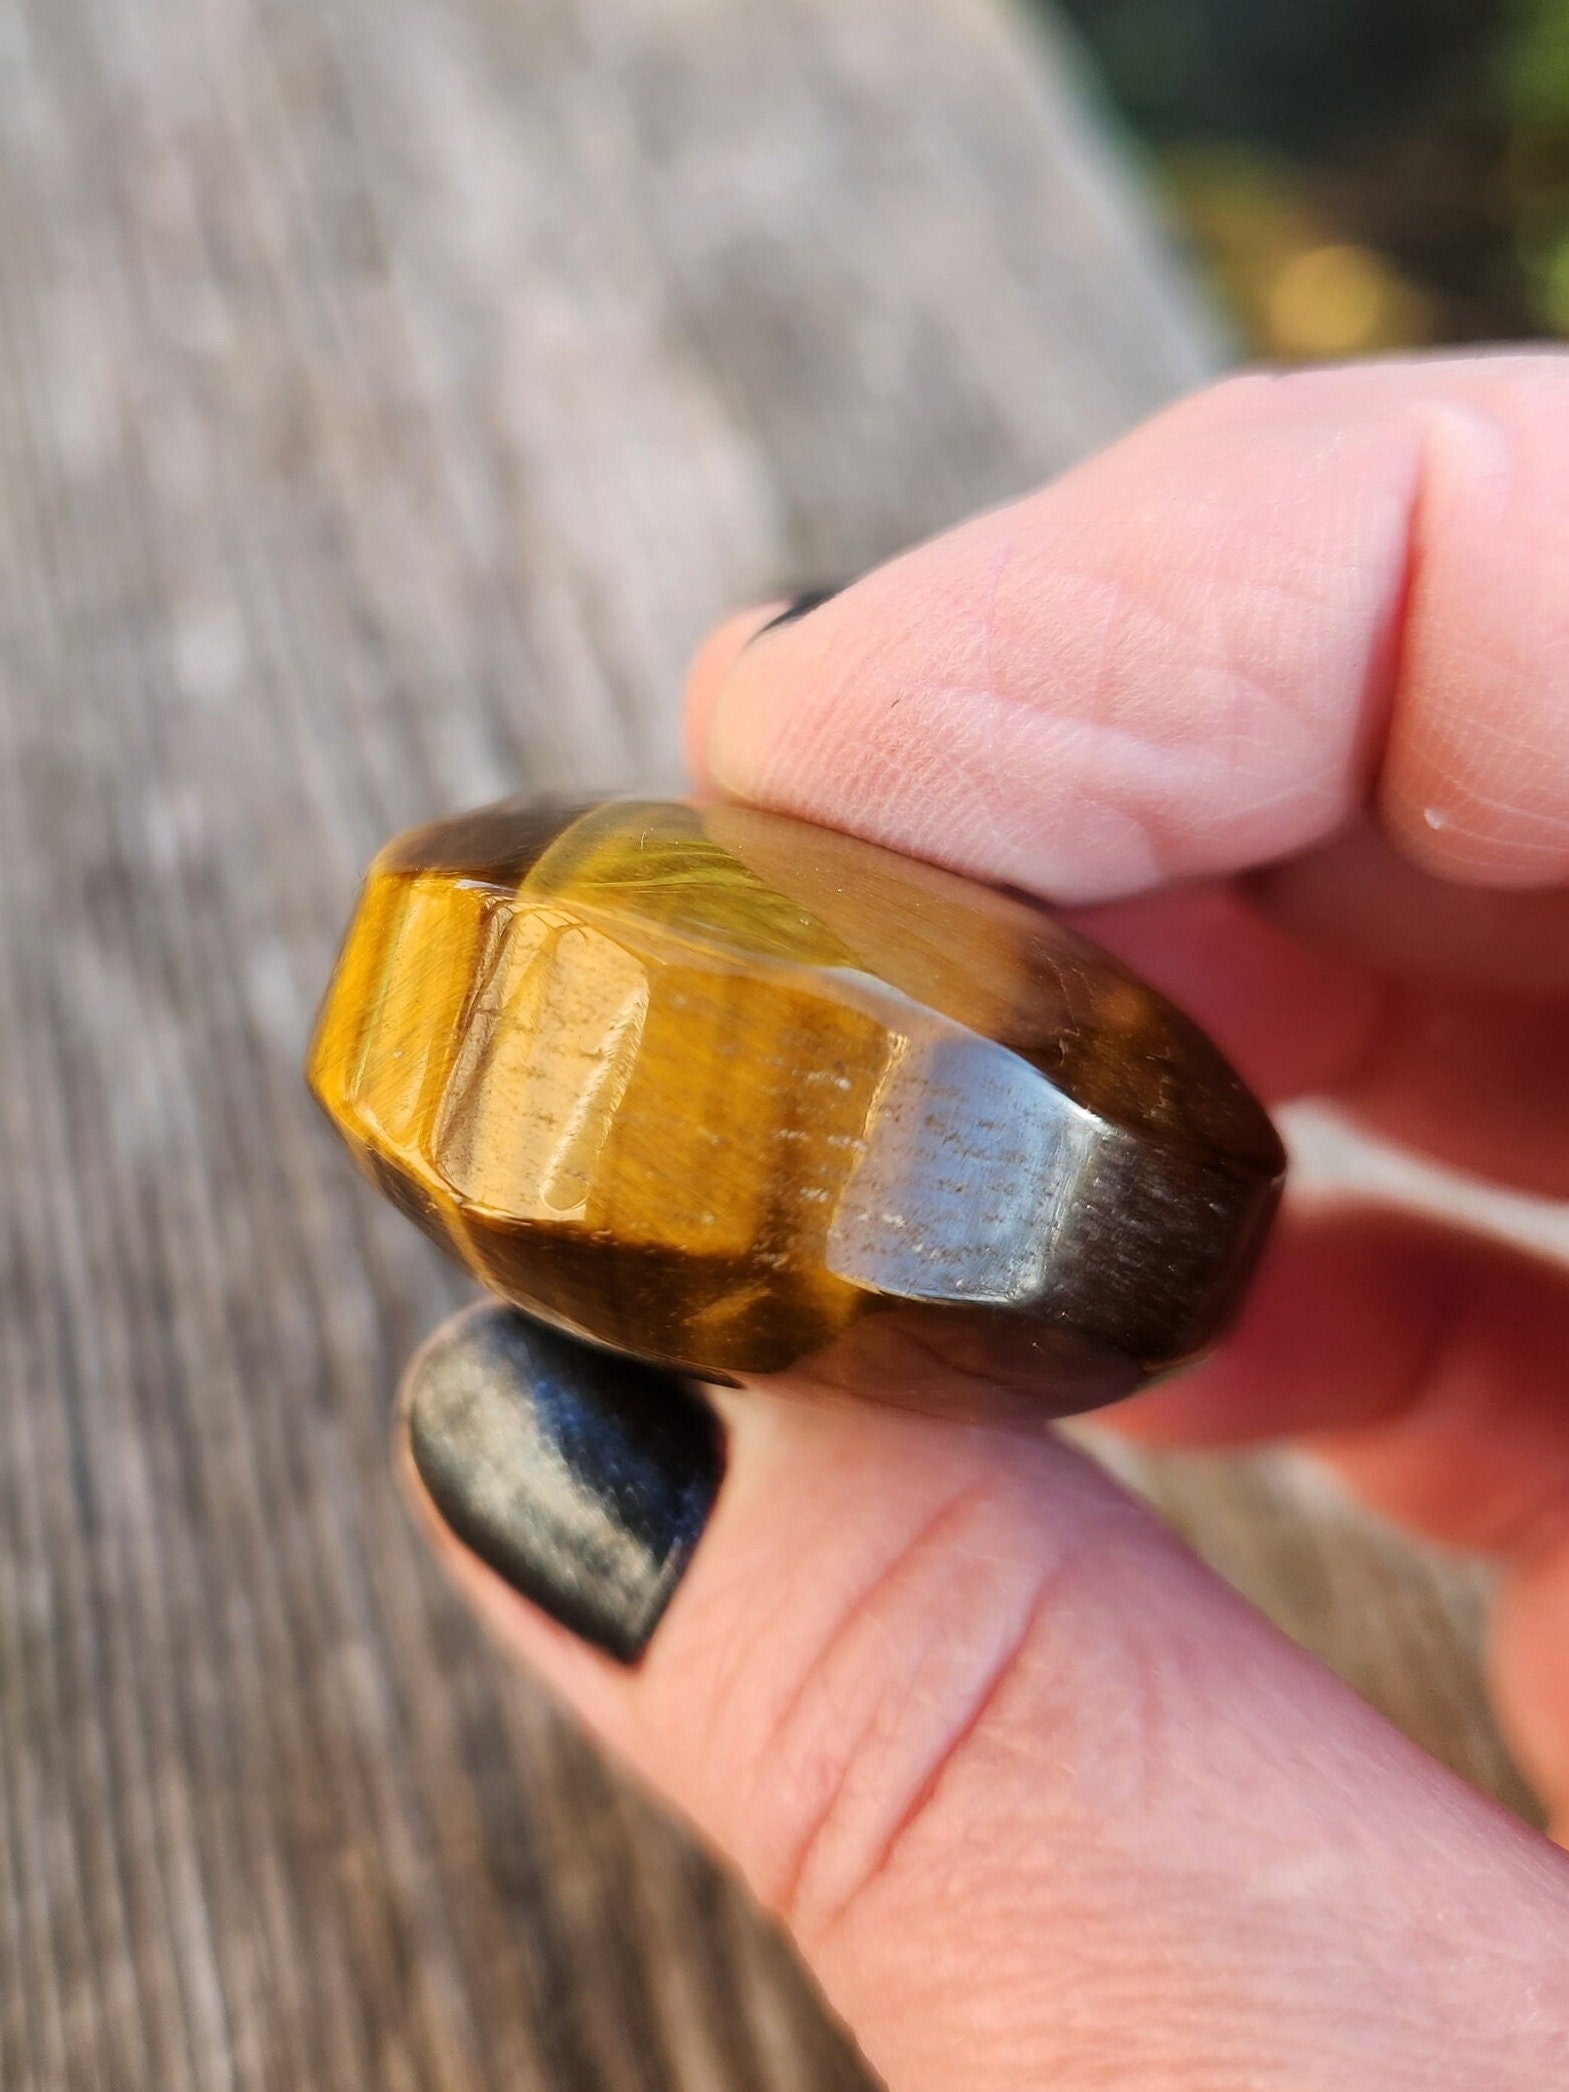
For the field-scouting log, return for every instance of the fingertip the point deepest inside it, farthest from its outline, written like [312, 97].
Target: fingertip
[1203, 650]
[1474, 837]
[710, 665]
[562, 1489]
[577, 1677]
[1473, 782]
[1530, 1679]
[1287, 1369]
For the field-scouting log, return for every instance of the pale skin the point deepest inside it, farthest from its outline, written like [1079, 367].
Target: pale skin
[1275, 692]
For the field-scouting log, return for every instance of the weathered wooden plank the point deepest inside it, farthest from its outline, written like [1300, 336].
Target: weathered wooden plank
[390, 391]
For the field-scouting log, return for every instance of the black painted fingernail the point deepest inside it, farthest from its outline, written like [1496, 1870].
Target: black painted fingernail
[584, 1479]
[803, 605]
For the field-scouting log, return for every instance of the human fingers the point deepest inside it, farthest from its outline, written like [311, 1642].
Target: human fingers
[1424, 1361]
[1413, 1034]
[1204, 648]
[1042, 1800]
[1425, 1365]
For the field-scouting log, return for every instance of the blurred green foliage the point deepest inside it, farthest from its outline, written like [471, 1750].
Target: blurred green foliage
[1536, 62]
[1535, 77]
[1359, 174]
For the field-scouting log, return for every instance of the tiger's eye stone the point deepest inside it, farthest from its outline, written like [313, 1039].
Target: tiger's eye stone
[737, 1094]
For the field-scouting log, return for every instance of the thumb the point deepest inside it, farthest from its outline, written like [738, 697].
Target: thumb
[1043, 1802]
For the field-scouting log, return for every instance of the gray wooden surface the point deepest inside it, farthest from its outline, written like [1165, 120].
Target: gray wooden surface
[390, 391]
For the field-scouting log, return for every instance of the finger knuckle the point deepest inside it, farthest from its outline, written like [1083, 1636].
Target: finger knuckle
[980, 1656]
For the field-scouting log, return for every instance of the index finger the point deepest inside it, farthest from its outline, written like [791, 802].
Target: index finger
[1207, 647]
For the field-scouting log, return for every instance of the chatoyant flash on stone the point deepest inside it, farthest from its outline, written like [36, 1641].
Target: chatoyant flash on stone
[737, 1094]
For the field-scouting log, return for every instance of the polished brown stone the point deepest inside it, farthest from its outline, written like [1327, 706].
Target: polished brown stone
[738, 1094]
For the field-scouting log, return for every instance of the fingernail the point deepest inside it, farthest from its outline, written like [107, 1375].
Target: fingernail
[583, 1479]
[800, 606]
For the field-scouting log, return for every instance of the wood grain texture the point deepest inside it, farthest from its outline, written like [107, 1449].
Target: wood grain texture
[390, 391]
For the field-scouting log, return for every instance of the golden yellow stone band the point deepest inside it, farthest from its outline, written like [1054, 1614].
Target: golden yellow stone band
[737, 1094]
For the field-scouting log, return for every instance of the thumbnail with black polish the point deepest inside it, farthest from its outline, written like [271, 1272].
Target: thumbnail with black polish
[583, 1478]
[800, 606]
